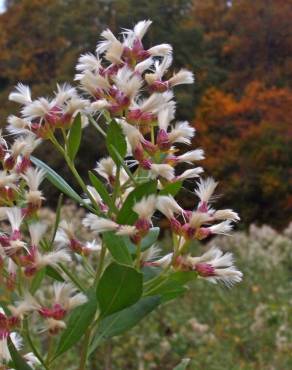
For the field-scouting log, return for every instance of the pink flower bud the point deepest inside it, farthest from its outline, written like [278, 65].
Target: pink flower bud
[188, 231]
[159, 86]
[143, 226]
[162, 140]
[146, 164]
[202, 233]
[175, 226]
[205, 269]
[9, 163]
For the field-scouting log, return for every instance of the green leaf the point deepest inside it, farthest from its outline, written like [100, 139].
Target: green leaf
[101, 189]
[116, 138]
[169, 290]
[74, 137]
[183, 364]
[119, 287]
[171, 189]
[36, 282]
[146, 242]
[171, 287]
[184, 277]
[18, 361]
[127, 215]
[57, 180]
[117, 247]
[57, 219]
[79, 321]
[124, 320]
[54, 274]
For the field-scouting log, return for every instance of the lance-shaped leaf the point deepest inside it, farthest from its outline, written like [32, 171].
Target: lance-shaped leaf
[79, 321]
[116, 138]
[19, 362]
[171, 189]
[126, 214]
[117, 247]
[57, 180]
[119, 287]
[74, 137]
[53, 273]
[172, 286]
[183, 364]
[101, 189]
[124, 320]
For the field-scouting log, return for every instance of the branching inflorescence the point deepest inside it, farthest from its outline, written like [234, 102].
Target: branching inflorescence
[127, 95]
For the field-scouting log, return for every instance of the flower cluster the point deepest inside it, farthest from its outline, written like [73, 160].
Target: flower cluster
[128, 89]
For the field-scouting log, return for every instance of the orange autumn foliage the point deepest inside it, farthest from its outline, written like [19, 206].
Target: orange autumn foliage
[249, 148]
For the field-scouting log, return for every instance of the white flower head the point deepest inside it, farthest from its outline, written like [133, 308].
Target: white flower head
[15, 217]
[106, 168]
[182, 133]
[161, 50]
[21, 95]
[216, 266]
[18, 126]
[191, 173]
[197, 219]
[145, 207]
[222, 228]
[167, 205]
[99, 224]
[52, 258]
[206, 189]
[37, 109]
[133, 135]
[226, 214]
[182, 77]
[191, 156]
[8, 179]
[89, 62]
[66, 295]
[163, 170]
[37, 231]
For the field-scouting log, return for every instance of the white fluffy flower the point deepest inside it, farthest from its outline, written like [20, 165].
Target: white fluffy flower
[21, 95]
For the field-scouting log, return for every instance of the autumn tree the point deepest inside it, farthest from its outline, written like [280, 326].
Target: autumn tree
[249, 149]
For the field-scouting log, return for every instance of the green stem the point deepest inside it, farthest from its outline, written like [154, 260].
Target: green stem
[84, 351]
[129, 173]
[94, 123]
[32, 346]
[74, 171]
[72, 277]
[138, 256]
[152, 135]
[50, 350]
[117, 184]
[100, 264]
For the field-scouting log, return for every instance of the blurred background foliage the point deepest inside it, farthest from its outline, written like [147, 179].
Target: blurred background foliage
[240, 52]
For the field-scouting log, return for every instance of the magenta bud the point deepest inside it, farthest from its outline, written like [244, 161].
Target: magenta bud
[162, 140]
[9, 163]
[159, 86]
[138, 153]
[58, 312]
[146, 164]
[143, 226]
[202, 233]
[175, 226]
[149, 147]
[203, 207]
[134, 115]
[188, 231]
[205, 269]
